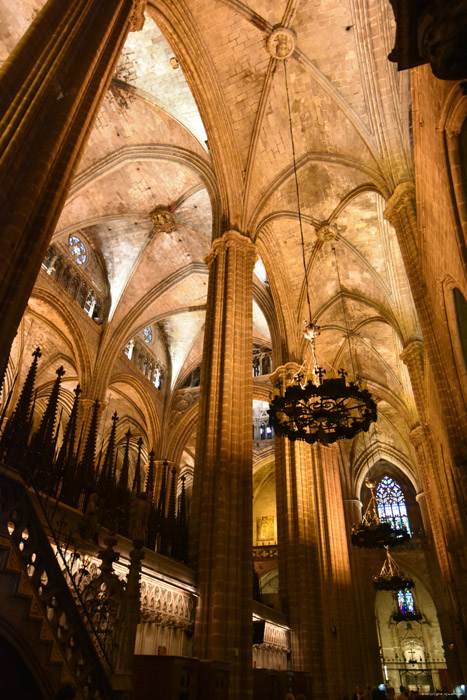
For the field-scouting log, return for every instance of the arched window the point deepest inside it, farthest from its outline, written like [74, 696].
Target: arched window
[147, 334]
[391, 504]
[405, 602]
[77, 249]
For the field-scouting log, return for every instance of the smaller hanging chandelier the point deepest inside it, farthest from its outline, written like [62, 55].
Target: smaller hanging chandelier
[391, 578]
[371, 532]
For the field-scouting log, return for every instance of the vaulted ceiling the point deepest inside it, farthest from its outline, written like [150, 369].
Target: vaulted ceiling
[196, 121]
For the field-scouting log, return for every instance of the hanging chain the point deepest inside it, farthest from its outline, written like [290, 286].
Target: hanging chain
[297, 190]
[343, 310]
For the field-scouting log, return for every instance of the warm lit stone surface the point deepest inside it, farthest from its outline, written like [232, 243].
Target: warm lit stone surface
[195, 122]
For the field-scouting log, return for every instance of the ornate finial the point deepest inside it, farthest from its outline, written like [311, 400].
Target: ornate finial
[123, 480]
[105, 476]
[137, 480]
[173, 496]
[162, 493]
[42, 449]
[298, 377]
[281, 43]
[319, 372]
[65, 466]
[15, 436]
[180, 550]
[150, 476]
[86, 469]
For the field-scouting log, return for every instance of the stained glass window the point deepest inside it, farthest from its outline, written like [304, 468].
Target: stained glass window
[147, 334]
[78, 249]
[391, 504]
[405, 602]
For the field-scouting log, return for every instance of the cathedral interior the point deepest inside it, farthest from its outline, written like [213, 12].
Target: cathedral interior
[205, 205]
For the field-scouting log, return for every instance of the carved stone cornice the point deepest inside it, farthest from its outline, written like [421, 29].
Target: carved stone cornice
[136, 17]
[403, 195]
[231, 239]
[167, 606]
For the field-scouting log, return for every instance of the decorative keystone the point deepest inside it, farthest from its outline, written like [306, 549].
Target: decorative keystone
[281, 43]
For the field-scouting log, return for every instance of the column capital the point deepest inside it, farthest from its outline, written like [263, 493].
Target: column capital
[136, 17]
[283, 375]
[231, 239]
[403, 194]
[413, 351]
[417, 435]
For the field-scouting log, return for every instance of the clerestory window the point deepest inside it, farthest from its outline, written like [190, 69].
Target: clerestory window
[78, 249]
[391, 504]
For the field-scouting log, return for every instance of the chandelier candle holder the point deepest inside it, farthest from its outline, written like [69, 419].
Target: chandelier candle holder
[373, 533]
[316, 409]
[391, 578]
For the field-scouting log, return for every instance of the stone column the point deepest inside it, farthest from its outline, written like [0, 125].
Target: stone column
[51, 88]
[221, 510]
[445, 530]
[362, 565]
[314, 567]
[344, 662]
[421, 500]
[401, 212]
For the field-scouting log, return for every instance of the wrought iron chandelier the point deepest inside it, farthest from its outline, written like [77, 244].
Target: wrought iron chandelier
[371, 532]
[315, 408]
[391, 578]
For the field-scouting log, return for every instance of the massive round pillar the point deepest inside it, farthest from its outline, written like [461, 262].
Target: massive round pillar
[221, 511]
